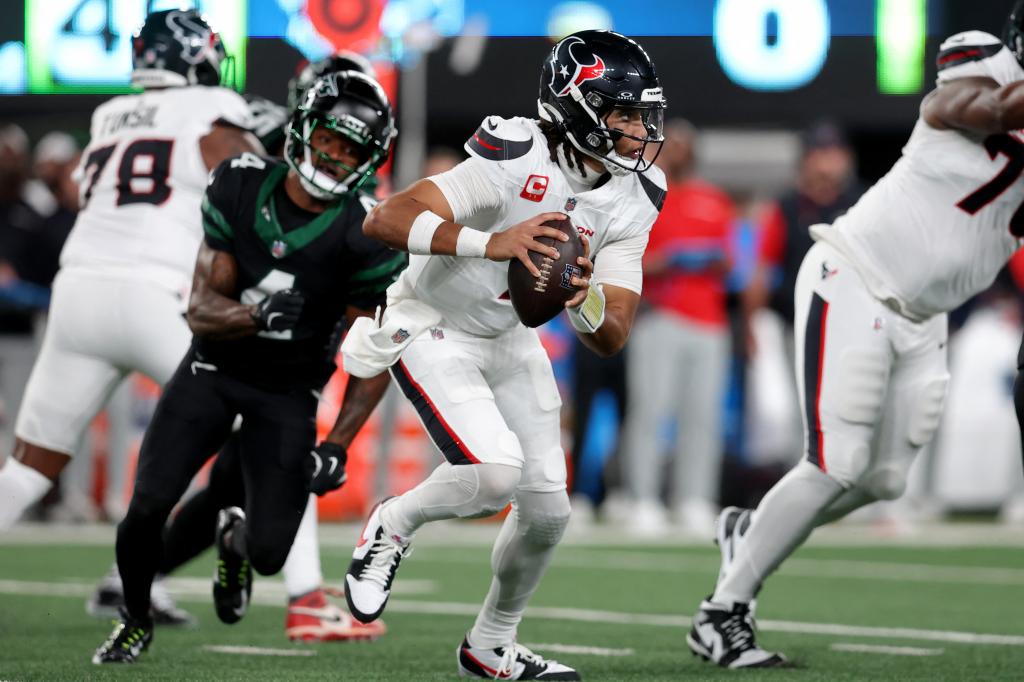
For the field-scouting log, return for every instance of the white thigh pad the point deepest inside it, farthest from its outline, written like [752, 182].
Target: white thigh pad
[460, 383]
[925, 416]
[543, 380]
[863, 377]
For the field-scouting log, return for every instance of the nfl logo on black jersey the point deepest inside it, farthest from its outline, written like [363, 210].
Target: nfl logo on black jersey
[278, 249]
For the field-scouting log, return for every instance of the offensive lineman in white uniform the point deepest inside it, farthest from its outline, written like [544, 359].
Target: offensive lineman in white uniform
[127, 265]
[871, 302]
[480, 380]
[119, 298]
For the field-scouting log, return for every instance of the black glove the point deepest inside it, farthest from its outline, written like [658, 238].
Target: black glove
[280, 311]
[325, 468]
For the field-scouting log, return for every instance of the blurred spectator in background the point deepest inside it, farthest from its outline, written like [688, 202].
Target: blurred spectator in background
[598, 410]
[441, 159]
[825, 188]
[56, 157]
[678, 355]
[22, 287]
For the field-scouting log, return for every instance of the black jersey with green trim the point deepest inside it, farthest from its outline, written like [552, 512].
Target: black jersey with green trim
[278, 245]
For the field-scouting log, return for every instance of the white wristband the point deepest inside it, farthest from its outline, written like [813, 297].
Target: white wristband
[472, 243]
[588, 316]
[421, 233]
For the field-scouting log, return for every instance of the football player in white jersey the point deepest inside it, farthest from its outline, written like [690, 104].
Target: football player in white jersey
[871, 301]
[126, 267]
[480, 380]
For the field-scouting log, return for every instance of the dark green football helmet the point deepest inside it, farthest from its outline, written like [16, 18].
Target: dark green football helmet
[353, 105]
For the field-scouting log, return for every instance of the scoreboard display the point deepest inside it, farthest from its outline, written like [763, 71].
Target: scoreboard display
[81, 46]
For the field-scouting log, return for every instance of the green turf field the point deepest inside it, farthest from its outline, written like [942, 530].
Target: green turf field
[949, 613]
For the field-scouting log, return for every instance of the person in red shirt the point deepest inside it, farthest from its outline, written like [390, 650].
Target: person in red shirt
[678, 355]
[826, 186]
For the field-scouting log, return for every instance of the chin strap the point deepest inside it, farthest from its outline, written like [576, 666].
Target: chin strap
[588, 316]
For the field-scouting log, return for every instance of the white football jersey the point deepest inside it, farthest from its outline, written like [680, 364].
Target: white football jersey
[141, 181]
[945, 219]
[472, 293]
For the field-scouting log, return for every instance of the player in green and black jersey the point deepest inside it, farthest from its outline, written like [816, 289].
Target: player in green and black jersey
[283, 265]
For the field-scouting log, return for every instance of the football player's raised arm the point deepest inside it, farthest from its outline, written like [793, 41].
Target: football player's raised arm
[361, 397]
[977, 105]
[213, 312]
[225, 141]
[424, 220]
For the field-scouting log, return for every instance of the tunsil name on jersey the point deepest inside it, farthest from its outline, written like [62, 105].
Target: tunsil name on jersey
[142, 117]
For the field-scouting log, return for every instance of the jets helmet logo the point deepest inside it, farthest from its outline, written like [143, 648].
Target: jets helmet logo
[567, 71]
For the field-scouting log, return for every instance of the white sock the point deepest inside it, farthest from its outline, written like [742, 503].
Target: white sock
[521, 555]
[463, 491]
[20, 487]
[302, 573]
[784, 519]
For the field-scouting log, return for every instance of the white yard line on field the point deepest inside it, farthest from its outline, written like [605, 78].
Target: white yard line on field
[342, 535]
[583, 650]
[620, 560]
[269, 598]
[255, 650]
[882, 649]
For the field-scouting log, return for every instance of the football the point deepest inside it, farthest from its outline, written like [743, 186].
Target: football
[538, 299]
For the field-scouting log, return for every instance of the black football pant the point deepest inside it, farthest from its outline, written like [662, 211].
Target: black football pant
[192, 529]
[594, 374]
[193, 420]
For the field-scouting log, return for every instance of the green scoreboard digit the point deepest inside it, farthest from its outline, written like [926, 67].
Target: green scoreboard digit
[83, 46]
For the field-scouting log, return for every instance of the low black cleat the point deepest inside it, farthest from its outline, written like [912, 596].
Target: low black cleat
[232, 581]
[127, 642]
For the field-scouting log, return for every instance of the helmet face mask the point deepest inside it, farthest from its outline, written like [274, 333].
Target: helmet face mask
[175, 48]
[591, 74]
[352, 106]
[1013, 32]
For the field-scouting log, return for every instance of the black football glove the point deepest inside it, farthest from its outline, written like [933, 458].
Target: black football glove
[280, 311]
[325, 468]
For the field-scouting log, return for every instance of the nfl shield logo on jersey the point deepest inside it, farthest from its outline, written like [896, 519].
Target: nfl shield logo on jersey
[399, 336]
[568, 273]
[570, 204]
[278, 249]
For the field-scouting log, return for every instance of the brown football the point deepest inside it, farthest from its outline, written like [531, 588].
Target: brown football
[538, 299]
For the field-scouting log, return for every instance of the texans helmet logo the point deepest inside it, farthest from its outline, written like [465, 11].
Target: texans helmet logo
[197, 41]
[567, 71]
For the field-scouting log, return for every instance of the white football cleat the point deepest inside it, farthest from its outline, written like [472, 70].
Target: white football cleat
[725, 636]
[375, 561]
[512, 662]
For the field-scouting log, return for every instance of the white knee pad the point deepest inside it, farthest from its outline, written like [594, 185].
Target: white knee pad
[849, 469]
[924, 419]
[885, 482]
[863, 381]
[542, 516]
[488, 487]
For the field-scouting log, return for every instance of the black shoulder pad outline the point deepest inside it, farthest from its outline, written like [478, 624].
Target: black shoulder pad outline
[493, 148]
[654, 193]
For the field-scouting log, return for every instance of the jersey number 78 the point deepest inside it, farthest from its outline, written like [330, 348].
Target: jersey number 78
[141, 173]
